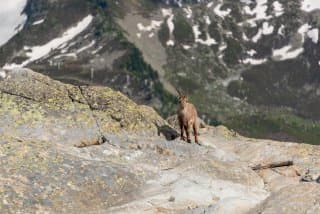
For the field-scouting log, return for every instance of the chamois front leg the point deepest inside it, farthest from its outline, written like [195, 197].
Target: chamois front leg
[181, 131]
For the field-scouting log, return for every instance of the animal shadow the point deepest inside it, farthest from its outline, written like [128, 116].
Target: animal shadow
[168, 132]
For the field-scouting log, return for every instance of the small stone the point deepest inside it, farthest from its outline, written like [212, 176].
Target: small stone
[2, 74]
[306, 177]
[172, 199]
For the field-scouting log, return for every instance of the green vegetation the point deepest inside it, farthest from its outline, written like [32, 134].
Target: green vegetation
[147, 78]
[277, 125]
[233, 52]
[183, 33]
[214, 32]
[164, 33]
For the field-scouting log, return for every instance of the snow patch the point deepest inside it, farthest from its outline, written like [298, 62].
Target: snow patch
[207, 19]
[87, 46]
[38, 22]
[251, 52]
[170, 24]
[72, 55]
[188, 12]
[244, 37]
[12, 19]
[267, 29]
[97, 50]
[222, 47]
[303, 30]
[186, 47]
[281, 30]
[286, 53]
[37, 52]
[257, 36]
[209, 41]
[210, 4]
[171, 29]
[260, 12]
[170, 43]
[154, 25]
[277, 8]
[166, 12]
[221, 13]
[246, 1]
[2, 74]
[314, 35]
[252, 61]
[310, 5]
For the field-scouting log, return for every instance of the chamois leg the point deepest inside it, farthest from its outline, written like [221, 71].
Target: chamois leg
[188, 133]
[182, 132]
[195, 132]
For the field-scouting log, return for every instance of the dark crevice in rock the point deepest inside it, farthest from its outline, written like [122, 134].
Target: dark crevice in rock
[74, 100]
[102, 138]
[19, 95]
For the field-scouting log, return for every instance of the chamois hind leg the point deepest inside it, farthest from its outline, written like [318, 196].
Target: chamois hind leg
[195, 132]
[182, 131]
[188, 133]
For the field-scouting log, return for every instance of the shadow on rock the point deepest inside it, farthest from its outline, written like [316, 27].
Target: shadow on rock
[167, 131]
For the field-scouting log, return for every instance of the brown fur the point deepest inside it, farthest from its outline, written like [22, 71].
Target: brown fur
[187, 116]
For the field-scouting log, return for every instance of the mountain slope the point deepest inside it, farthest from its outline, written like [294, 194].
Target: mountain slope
[240, 62]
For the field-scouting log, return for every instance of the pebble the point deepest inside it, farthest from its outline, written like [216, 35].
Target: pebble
[2, 74]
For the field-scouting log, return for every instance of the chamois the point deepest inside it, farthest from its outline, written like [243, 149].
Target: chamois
[187, 117]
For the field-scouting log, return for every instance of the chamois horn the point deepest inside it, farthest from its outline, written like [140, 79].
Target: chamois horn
[179, 92]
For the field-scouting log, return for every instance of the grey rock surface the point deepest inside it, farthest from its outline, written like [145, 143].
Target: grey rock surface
[138, 170]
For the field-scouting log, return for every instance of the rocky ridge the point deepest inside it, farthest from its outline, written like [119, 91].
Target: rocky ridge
[141, 168]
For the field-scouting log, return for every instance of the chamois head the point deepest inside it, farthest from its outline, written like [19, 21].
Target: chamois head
[183, 99]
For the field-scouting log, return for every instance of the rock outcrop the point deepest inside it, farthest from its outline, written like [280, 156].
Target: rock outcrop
[141, 168]
[37, 107]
